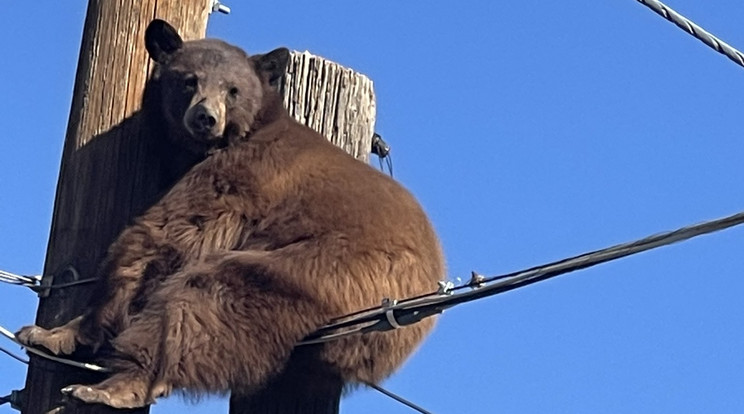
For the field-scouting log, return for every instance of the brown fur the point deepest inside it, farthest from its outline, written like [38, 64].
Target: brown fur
[253, 249]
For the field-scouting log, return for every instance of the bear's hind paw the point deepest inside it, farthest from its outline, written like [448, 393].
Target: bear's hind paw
[116, 398]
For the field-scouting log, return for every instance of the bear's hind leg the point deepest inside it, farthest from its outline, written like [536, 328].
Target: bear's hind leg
[229, 325]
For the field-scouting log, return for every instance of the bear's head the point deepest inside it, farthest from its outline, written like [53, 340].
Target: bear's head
[208, 92]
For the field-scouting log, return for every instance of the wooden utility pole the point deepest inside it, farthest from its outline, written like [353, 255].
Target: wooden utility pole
[333, 100]
[109, 174]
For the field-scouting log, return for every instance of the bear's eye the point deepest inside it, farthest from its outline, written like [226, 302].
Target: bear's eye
[190, 82]
[233, 92]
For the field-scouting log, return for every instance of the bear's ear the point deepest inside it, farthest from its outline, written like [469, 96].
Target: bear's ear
[161, 40]
[272, 65]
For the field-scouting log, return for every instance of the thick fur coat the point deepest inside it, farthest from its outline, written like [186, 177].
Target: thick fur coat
[271, 236]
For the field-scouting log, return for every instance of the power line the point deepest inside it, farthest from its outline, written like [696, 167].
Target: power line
[93, 367]
[398, 398]
[68, 284]
[22, 280]
[688, 26]
[15, 399]
[394, 314]
[36, 283]
[12, 355]
[84, 365]
[410, 311]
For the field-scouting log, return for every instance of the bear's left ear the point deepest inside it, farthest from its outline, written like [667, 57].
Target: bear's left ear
[272, 65]
[161, 40]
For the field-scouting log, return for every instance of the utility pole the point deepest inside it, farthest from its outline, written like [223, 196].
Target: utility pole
[109, 175]
[340, 104]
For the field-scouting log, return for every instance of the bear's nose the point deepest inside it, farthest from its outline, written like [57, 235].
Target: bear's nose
[203, 120]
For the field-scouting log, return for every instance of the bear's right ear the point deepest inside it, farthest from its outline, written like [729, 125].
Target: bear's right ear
[161, 40]
[272, 65]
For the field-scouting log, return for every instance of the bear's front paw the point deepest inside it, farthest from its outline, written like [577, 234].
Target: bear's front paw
[58, 340]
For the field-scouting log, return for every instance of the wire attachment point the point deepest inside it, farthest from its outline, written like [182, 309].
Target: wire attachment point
[445, 287]
[217, 6]
[477, 280]
[15, 399]
[387, 306]
[382, 150]
[47, 283]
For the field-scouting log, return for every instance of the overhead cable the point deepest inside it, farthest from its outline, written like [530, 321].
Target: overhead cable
[84, 365]
[409, 311]
[698, 32]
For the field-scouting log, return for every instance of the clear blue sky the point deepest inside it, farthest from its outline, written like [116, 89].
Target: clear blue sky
[530, 131]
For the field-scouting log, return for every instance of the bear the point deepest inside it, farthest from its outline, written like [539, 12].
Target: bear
[270, 233]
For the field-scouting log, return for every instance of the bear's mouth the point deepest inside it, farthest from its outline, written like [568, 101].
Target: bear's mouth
[205, 137]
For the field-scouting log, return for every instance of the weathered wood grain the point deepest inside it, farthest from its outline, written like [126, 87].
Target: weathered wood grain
[333, 100]
[106, 176]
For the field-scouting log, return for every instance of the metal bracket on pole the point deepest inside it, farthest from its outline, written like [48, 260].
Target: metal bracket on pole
[219, 7]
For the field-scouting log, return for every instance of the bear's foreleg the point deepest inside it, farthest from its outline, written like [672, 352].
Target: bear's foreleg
[136, 252]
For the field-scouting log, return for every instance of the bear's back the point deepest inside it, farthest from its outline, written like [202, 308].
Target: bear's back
[285, 184]
[290, 178]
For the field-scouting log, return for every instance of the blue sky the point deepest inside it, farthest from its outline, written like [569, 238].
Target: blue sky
[530, 131]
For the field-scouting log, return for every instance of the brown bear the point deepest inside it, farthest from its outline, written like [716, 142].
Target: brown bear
[269, 237]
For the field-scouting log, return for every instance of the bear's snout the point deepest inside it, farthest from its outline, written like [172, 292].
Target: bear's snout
[204, 120]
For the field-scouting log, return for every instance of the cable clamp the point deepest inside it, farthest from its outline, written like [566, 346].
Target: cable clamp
[387, 306]
[47, 282]
[445, 287]
[476, 280]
